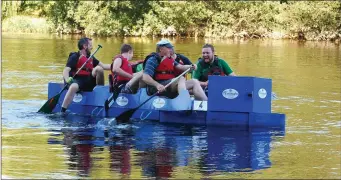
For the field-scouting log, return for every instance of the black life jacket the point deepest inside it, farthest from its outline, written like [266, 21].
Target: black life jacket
[156, 55]
[215, 69]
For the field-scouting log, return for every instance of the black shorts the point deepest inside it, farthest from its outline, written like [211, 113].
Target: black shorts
[168, 92]
[85, 83]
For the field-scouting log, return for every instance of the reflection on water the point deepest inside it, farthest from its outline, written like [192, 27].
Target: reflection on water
[158, 149]
[305, 75]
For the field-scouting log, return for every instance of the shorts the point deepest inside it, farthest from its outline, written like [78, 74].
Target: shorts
[85, 83]
[168, 92]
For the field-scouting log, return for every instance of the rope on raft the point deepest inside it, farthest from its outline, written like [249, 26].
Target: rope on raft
[100, 110]
[145, 116]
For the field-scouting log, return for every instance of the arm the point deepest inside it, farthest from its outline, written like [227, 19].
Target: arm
[104, 66]
[116, 68]
[71, 64]
[227, 70]
[185, 60]
[182, 68]
[66, 73]
[232, 74]
[198, 73]
[149, 71]
[149, 80]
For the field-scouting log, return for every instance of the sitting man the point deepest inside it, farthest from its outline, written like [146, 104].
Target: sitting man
[88, 77]
[210, 64]
[124, 80]
[159, 70]
[179, 58]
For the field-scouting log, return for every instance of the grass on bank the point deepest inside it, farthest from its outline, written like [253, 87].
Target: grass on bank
[26, 24]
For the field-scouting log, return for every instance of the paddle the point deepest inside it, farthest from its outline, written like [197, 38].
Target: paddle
[111, 99]
[125, 116]
[52, 102]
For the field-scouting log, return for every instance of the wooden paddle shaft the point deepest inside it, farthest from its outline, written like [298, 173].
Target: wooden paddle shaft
[175, 79]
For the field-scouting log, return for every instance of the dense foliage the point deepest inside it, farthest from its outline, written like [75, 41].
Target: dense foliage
[226, 19]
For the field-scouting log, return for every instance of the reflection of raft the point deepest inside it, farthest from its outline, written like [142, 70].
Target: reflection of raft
[236, 101]
[159, 149]
[211, 149]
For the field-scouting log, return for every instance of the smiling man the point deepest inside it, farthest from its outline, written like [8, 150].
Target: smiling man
[210, 64]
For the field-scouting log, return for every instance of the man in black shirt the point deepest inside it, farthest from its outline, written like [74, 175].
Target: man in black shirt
[88, 77]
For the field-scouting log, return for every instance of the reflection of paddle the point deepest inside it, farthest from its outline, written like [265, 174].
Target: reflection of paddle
[52, 102]
[125, 116]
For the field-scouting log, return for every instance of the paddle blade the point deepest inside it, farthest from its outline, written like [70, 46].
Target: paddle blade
[111, 99]
[50, 104]
[125, 116]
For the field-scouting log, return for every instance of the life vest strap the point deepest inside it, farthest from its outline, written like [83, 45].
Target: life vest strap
[165, 72]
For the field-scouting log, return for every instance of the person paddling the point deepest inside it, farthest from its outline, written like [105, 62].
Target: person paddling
[124, 80]
[210, 64]
[88, 77]
[159, 70]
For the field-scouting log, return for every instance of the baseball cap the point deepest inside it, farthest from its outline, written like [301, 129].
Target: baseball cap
[165, 42]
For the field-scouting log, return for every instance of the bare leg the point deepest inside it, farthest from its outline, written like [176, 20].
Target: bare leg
[134, 82]
[98, 72]
[70, 94]
[179, 85]
[198, 92]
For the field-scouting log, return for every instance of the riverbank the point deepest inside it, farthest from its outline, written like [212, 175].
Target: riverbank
[301, 20]
[27, 24]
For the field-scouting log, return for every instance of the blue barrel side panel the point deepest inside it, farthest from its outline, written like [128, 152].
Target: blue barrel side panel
[261, 96]
[239, 94]
[54, 89]
[181, 102]
[123, 103]
[147, 111]
[85, 103]
[229, 93]
[219, 118]
[197, 114]
[269, 120]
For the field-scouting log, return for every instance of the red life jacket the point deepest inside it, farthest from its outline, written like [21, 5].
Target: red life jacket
[165, 69]
[125, 66]
[177, 72]
[87, 69]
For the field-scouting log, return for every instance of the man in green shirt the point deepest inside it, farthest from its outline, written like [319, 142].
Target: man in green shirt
[210, 64]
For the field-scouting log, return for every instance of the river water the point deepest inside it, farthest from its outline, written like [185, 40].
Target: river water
[306, 79]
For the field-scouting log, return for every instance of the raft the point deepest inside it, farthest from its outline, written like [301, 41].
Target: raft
[232, 101]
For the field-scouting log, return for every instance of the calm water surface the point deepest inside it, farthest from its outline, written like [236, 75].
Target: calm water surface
[306, 78]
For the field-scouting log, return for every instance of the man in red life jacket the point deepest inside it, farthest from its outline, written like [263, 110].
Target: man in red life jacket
[180, 58]
[88, 77]
[159, 70]
[122, 71]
